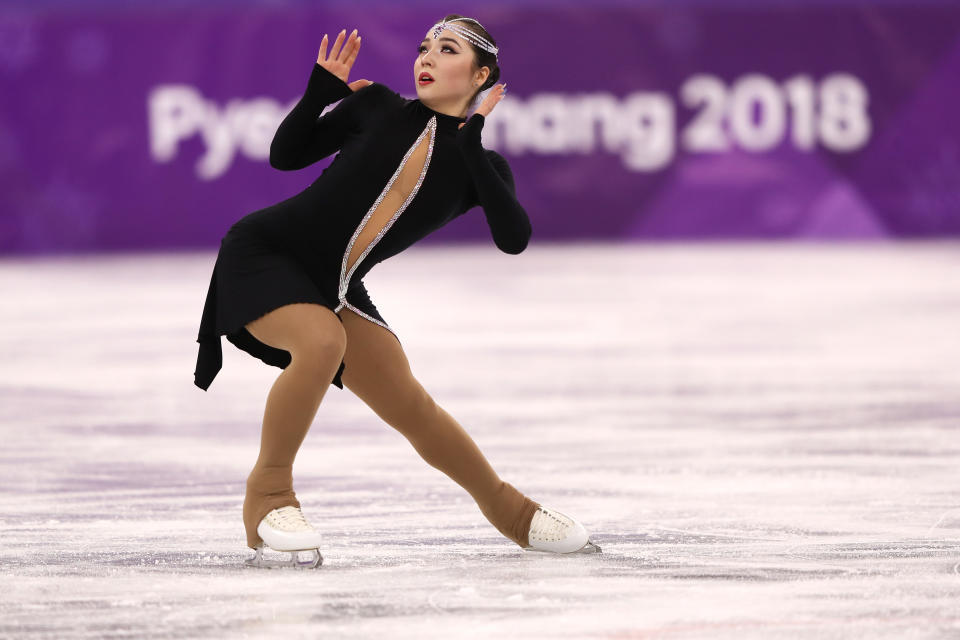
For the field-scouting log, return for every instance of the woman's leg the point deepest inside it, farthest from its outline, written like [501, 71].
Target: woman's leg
[316, 341]
[377, 371]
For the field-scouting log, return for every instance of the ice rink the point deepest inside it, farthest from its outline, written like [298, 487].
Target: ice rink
[764, 439]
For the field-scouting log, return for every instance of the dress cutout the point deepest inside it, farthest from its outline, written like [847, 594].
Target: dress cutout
[393, 199]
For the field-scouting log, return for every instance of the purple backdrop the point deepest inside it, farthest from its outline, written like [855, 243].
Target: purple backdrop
[150, 129]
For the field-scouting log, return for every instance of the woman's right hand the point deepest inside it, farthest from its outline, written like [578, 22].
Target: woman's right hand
[340, 60]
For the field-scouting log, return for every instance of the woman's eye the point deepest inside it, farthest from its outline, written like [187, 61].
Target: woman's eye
[421, 49]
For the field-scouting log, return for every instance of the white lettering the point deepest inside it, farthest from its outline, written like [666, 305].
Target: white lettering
[754, 113]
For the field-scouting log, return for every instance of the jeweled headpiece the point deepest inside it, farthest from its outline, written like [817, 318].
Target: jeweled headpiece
[476, 39]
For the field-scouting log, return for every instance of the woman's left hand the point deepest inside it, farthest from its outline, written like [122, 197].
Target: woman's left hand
[356, 85]
[493, 97]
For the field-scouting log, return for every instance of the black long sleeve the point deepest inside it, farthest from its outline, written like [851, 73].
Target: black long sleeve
[302, 138]
[496, 192]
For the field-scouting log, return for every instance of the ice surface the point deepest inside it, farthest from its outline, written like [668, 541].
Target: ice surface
[762, 438]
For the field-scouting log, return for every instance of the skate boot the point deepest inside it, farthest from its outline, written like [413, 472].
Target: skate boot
[285, 529]
[552, 530]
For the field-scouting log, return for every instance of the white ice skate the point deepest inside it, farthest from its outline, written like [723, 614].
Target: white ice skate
[554, 531]
[285, 529]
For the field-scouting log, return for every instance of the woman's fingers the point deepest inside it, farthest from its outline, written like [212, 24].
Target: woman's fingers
[489, 102]
[353, 53]
[322, 57]
[348, 48]
[342, 54]
[335, 49]
[356, 85]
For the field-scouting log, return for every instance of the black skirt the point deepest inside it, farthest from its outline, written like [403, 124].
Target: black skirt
[251, 277]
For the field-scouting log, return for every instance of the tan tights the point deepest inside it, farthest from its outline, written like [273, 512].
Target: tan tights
[377, 371]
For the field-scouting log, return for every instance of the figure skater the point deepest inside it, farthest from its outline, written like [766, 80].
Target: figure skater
[287, 283]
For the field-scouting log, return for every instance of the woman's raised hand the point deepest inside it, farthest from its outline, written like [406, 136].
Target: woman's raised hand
[490, 101]
[341, 59]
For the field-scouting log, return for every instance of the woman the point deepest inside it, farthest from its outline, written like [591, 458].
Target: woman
[287, 284]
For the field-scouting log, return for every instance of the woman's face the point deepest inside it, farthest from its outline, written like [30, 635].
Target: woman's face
[449, 61]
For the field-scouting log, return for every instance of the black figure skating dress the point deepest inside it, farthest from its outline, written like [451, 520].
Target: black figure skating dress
[403, 171]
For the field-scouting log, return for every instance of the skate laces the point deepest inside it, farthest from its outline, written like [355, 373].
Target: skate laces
[290, 518]
[548, 524]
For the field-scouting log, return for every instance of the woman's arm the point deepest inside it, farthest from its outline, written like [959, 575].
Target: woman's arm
[496, 192]
[303, 138]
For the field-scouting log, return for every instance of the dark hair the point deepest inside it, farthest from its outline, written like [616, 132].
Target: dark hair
[483, 57]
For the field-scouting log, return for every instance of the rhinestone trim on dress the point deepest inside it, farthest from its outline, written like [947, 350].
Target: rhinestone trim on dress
[430, 129]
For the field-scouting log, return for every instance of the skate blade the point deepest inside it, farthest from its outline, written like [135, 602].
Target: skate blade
[589, 547]
[293, 561]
